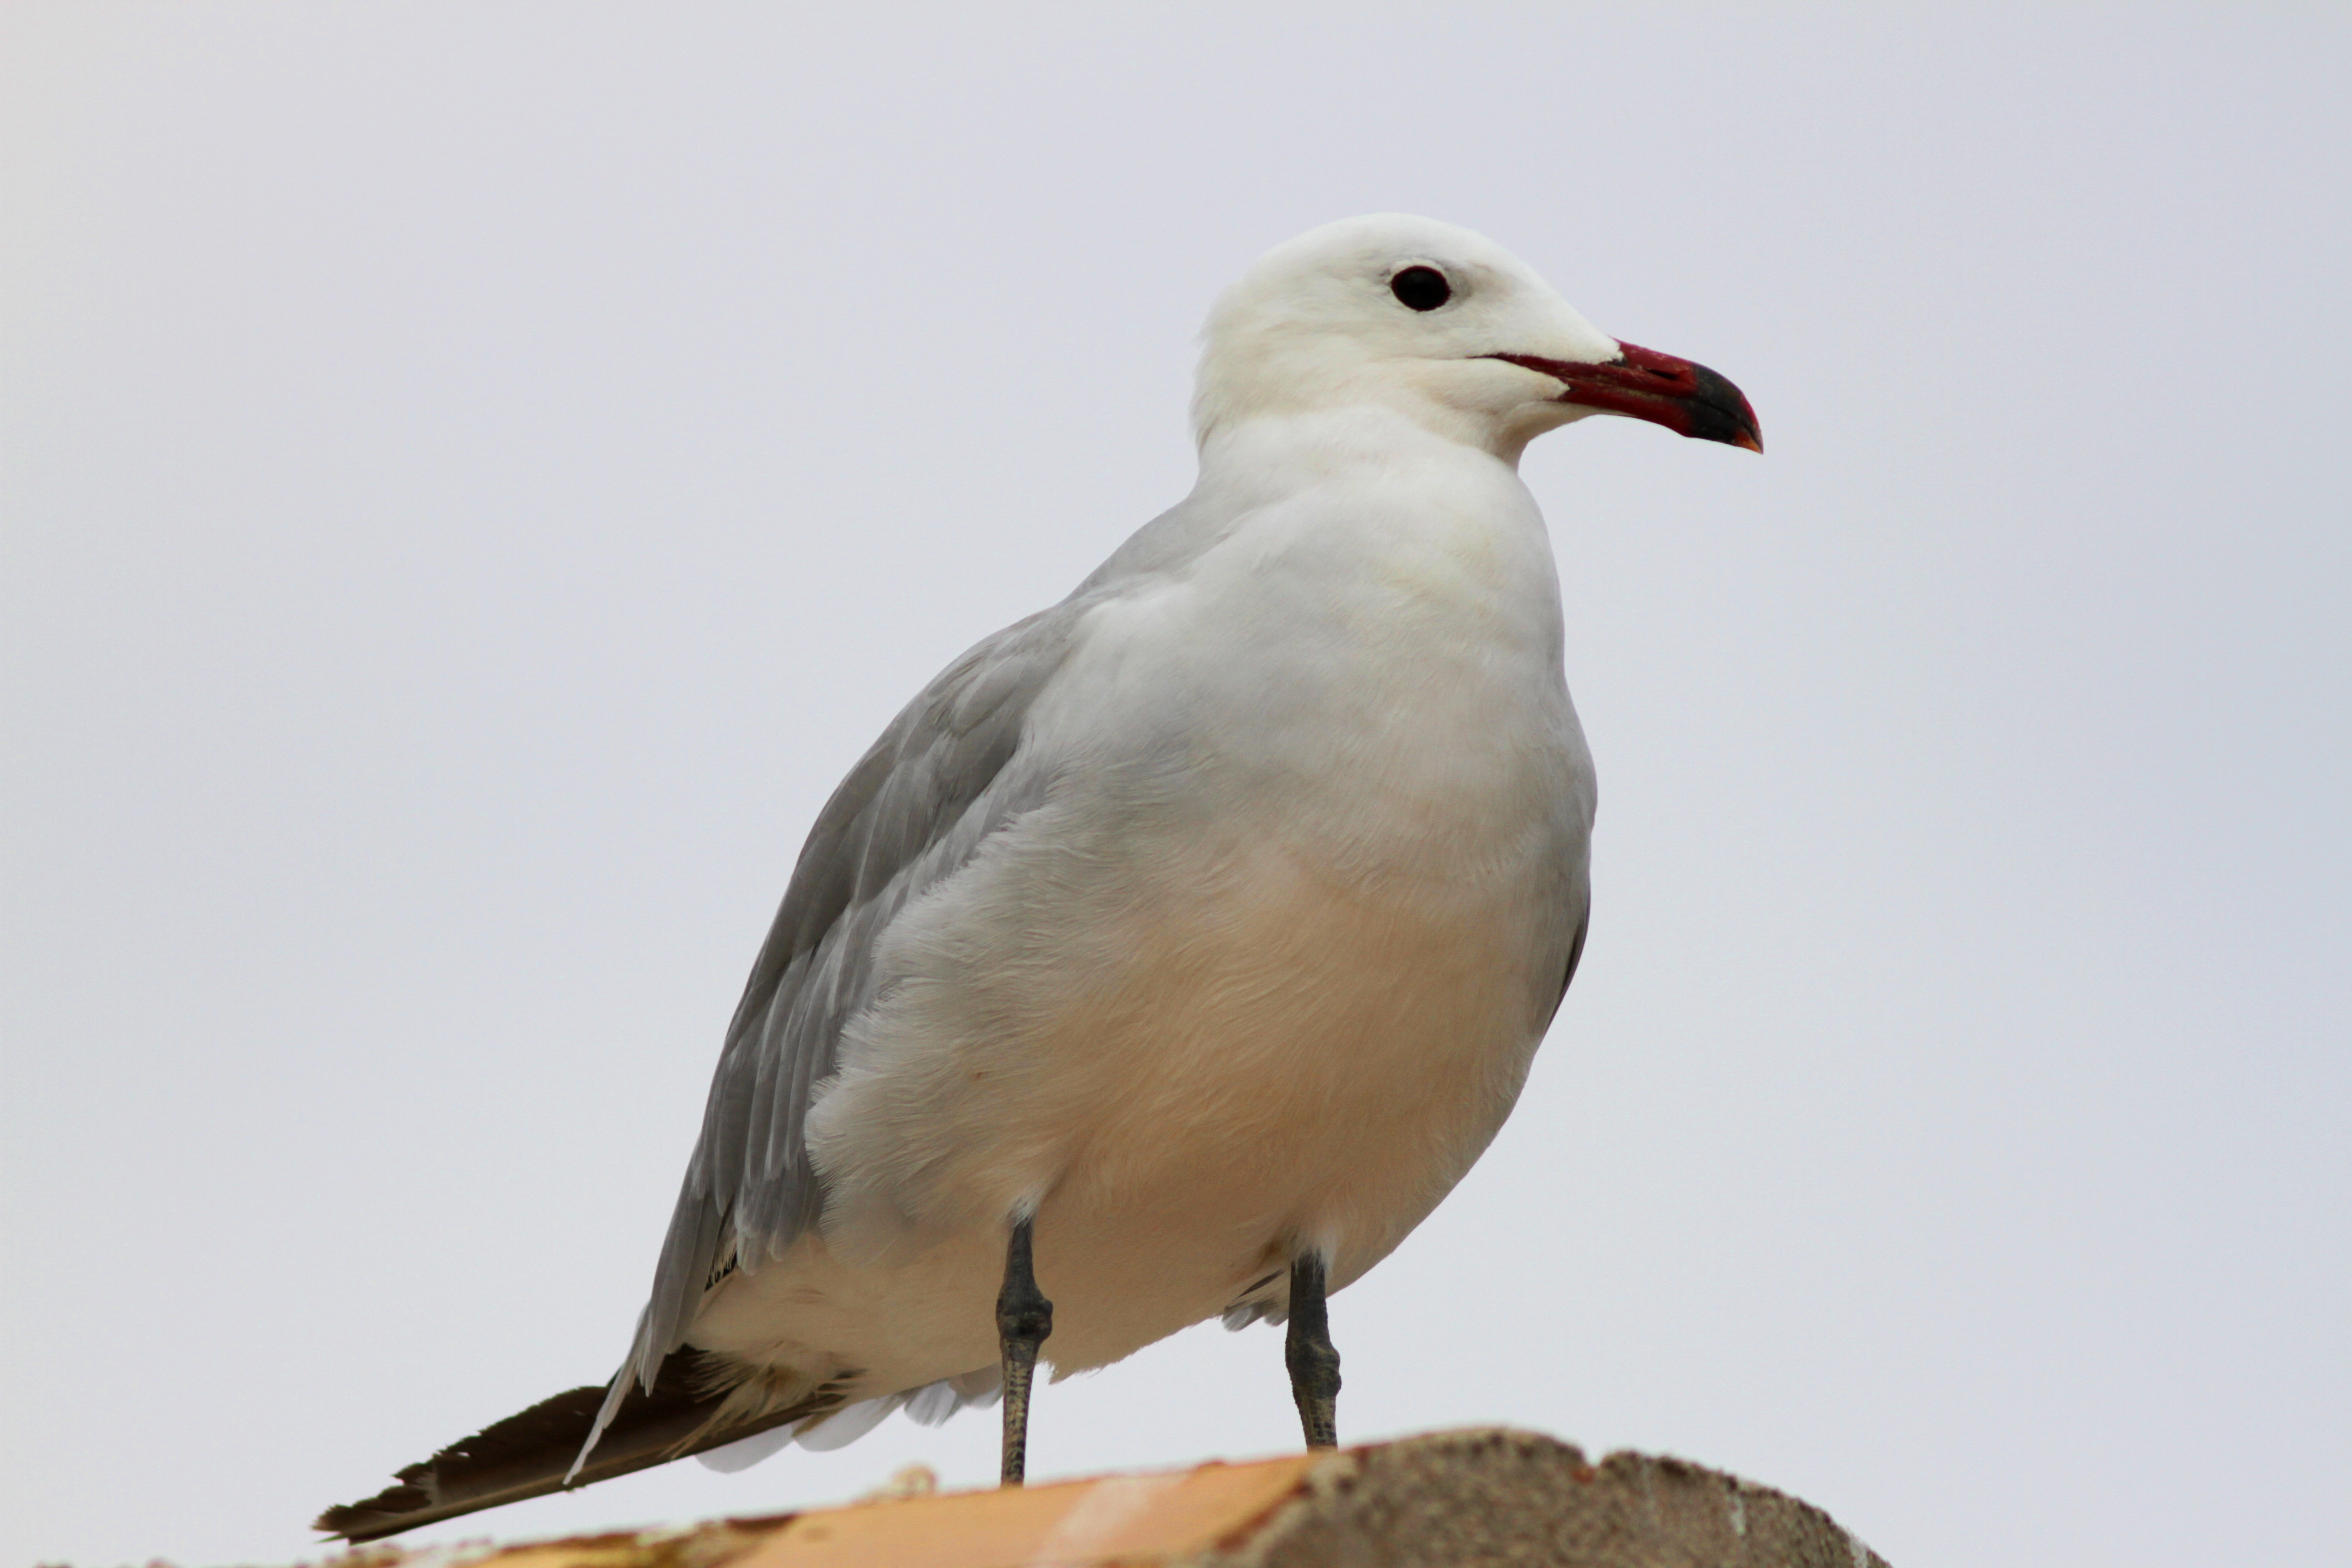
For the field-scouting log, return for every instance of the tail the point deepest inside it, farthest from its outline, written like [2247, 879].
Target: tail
[529, 1455]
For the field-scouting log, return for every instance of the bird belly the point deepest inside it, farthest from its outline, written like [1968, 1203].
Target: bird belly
[1297, 1067]
[1284, 1067]
[1190, 1069]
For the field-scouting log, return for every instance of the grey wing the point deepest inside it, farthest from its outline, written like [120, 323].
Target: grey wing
[941, 780]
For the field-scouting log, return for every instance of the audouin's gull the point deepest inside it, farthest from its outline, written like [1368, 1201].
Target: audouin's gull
[1179, 947]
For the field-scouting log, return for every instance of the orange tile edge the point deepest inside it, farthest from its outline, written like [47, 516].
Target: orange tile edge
[1141, 1518]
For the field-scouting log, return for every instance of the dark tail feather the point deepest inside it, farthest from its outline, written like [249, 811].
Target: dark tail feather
[526, 1455]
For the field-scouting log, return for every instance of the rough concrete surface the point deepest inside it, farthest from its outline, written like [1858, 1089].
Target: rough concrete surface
[1502, 1497]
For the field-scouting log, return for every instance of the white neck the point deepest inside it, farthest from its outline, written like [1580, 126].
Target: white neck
[1249, 462]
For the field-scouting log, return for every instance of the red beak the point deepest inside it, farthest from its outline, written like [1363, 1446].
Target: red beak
[1688, 399]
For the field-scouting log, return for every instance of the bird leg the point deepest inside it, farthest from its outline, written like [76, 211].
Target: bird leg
[1313, 1363]
[1023, 1319]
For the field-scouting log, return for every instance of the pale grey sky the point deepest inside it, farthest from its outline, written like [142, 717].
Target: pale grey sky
[475, 476]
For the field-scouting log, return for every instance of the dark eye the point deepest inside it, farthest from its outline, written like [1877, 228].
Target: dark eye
[1421, 288]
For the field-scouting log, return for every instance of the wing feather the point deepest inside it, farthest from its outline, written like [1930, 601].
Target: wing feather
[913, 810]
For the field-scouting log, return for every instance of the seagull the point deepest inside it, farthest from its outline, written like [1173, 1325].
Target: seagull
[1180, 947]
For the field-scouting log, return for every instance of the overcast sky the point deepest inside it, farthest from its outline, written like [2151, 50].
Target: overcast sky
[475, 476]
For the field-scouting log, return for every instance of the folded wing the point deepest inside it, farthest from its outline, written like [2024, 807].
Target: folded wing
[941, 780]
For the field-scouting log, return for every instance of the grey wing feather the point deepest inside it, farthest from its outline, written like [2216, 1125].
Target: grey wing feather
[913, 810]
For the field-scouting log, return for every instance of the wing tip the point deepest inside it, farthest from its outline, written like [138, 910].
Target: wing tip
[466, 1475]
[541, 1450]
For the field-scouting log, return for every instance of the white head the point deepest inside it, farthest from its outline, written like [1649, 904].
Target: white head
[1445, 326]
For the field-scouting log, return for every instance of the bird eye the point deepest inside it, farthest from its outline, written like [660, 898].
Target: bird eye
[1421, 288]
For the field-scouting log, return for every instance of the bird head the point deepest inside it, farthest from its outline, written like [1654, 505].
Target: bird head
[1445, 326]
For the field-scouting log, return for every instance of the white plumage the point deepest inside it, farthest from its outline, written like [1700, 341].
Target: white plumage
[1261, 961]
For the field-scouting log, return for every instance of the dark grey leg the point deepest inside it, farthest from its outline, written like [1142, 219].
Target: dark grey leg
[1023, 1319]
[1313, 1363]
